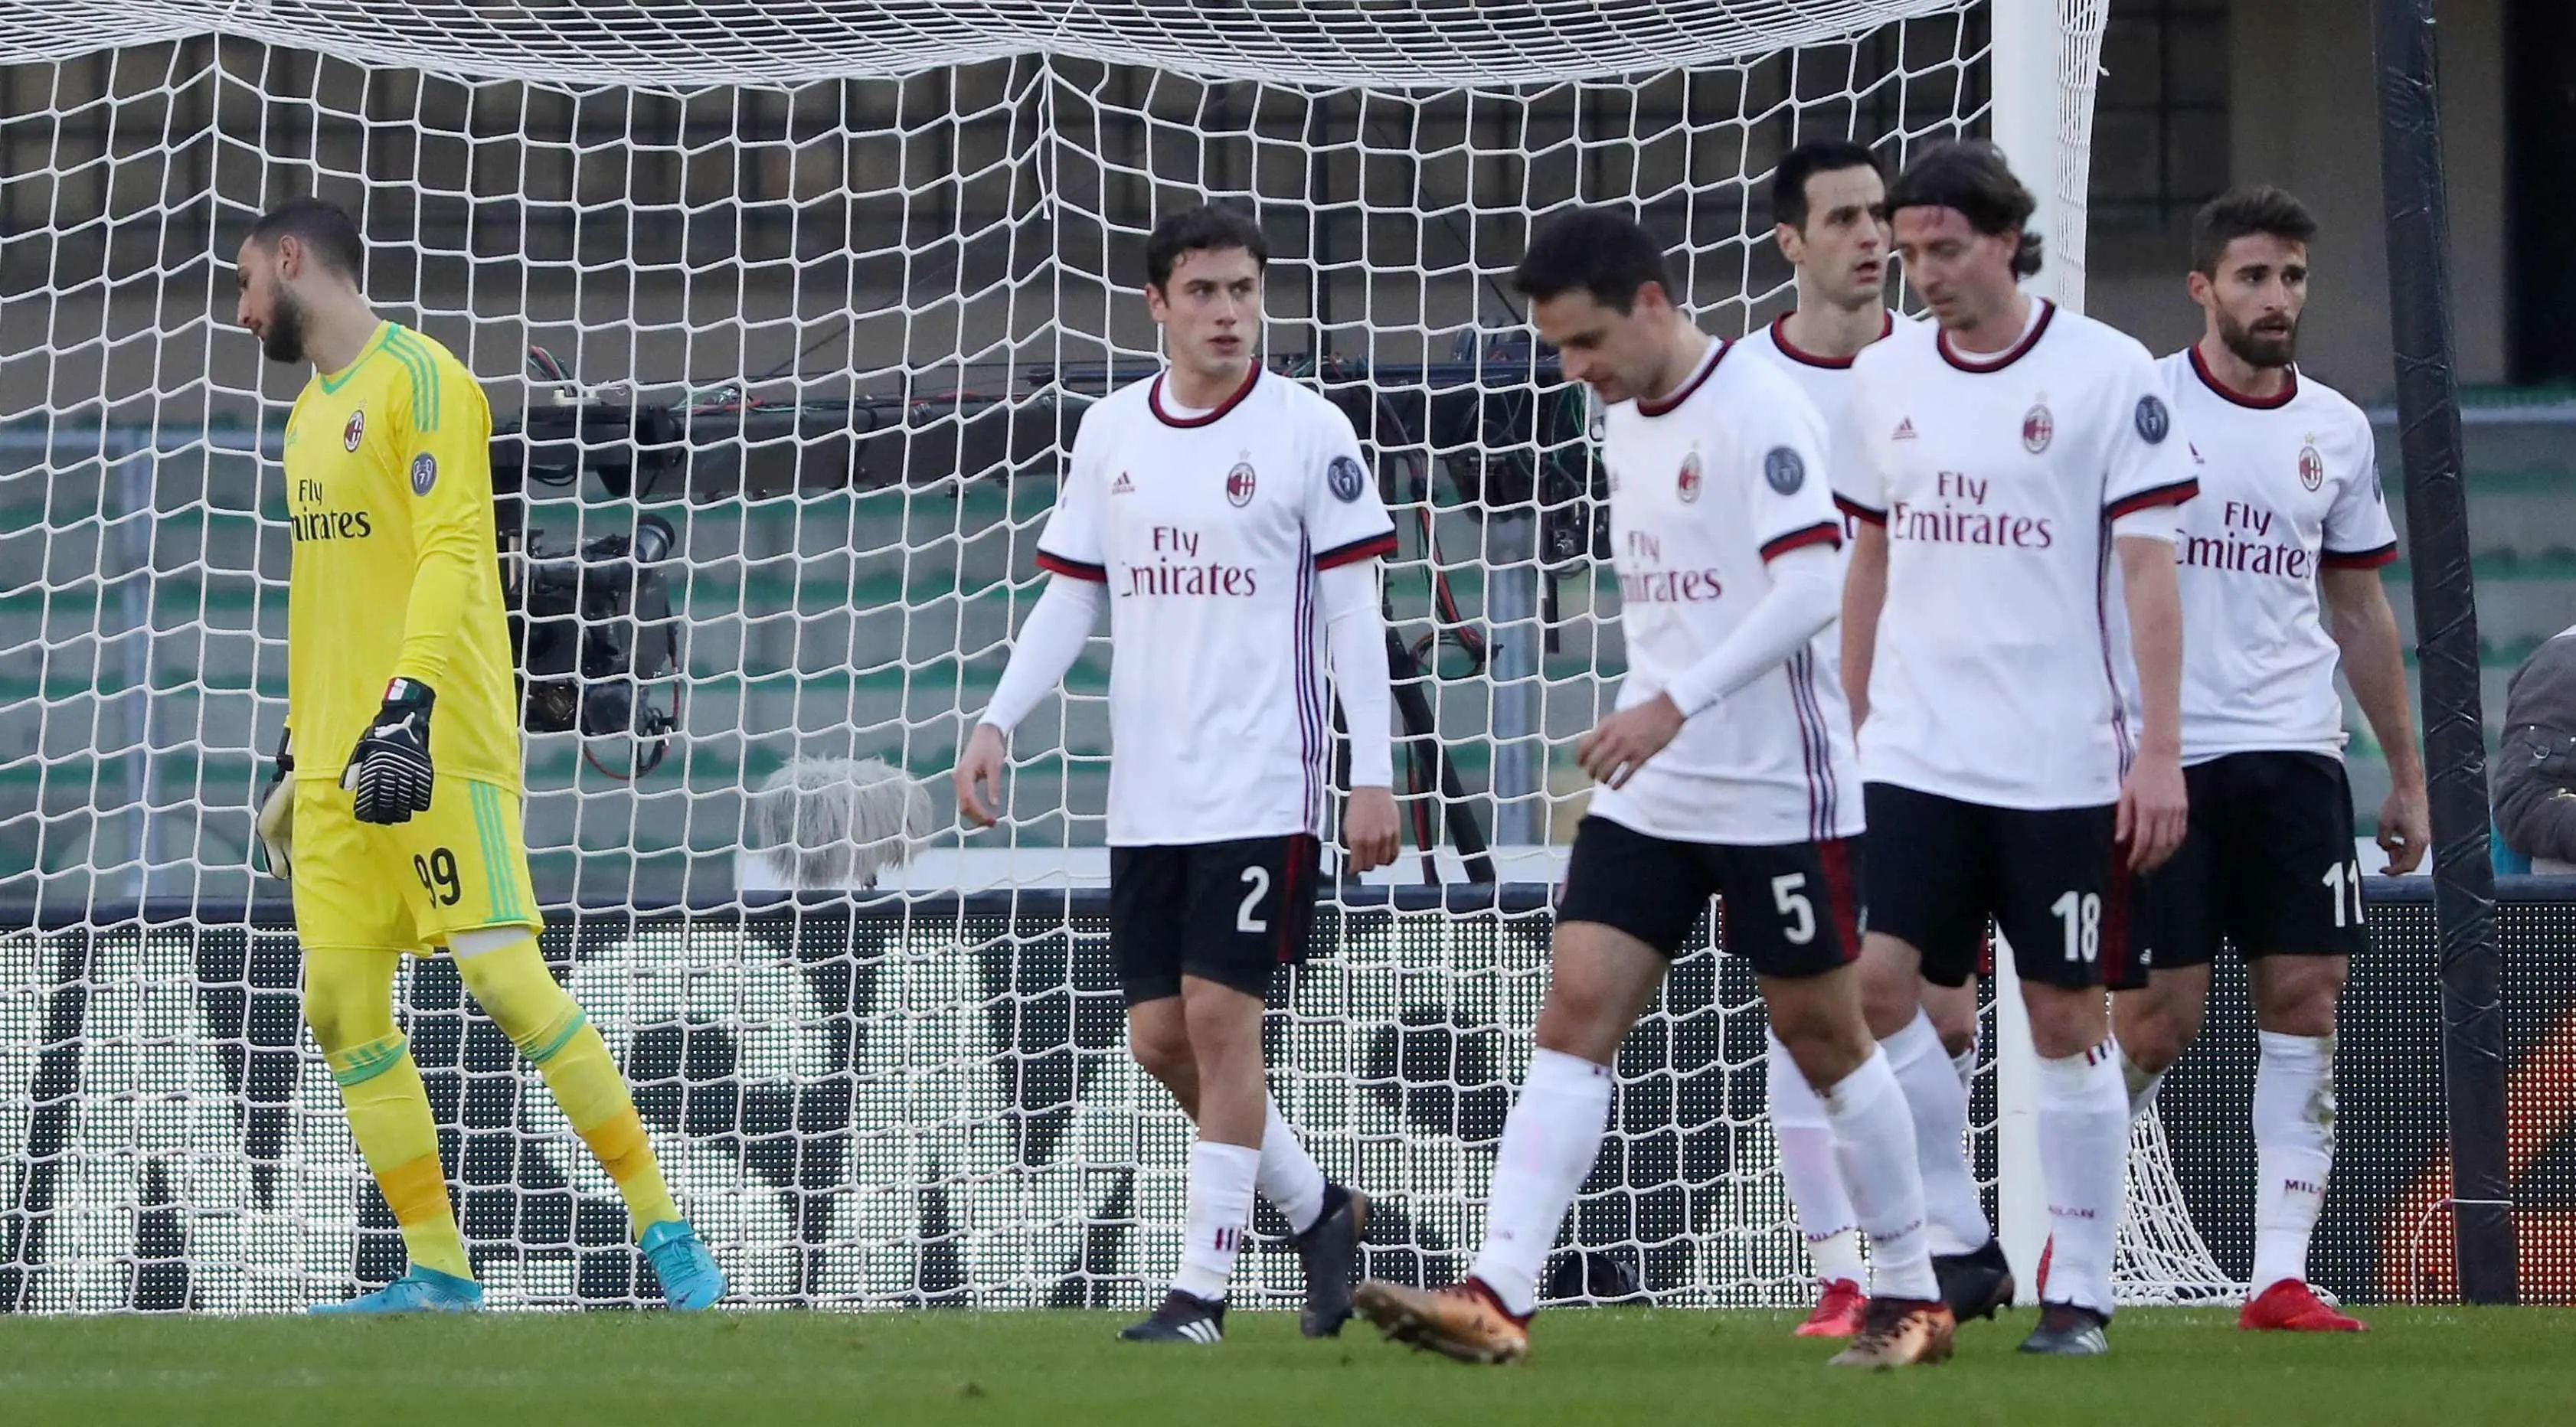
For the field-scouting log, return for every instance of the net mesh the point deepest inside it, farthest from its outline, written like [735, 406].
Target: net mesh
[846, 277]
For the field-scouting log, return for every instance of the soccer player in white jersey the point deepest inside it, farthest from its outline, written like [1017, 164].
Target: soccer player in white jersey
[1829, 201]
[1226, 518]
[1726, 771]
[2290, 510]
[2011, 456]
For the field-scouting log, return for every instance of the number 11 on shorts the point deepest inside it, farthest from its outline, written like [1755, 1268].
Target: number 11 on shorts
[2343, 880]
[2082, 915]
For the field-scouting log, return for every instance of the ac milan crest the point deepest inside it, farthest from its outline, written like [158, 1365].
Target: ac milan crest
[1690, 478]
[2312, 468]
[1239, 483]
[355, 431]
[2038, 428]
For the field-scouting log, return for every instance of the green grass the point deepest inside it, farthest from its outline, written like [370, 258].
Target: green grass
[2450, 1366]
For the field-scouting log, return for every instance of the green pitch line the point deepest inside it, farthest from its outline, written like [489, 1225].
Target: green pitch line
[2453, 1367]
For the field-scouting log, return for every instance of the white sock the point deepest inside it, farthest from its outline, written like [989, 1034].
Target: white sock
[1221, 1178]
[1826, 1219]
[2294, 1139]
[2083, 1164]
[1289, 1178]
[1938, 1106]
[1874, 1140]
[1549, 1142]
[2141, 1084]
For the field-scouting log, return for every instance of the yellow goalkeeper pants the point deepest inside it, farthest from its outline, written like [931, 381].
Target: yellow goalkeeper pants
[348, 1000]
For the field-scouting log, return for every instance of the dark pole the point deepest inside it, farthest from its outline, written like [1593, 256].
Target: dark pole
[2446, 632]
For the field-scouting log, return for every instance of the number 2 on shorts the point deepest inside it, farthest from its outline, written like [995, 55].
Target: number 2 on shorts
[1258, 879]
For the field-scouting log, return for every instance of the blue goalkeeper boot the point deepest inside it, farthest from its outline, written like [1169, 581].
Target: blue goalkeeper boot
[690, 1278]
[422, 1290]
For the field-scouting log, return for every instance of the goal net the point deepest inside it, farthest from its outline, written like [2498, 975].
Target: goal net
[787, 312]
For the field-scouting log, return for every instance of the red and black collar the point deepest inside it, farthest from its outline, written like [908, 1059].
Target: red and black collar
[2020, 349]
[1718, 348]
[1154, 399]
[1780, 339]
[2224, 392]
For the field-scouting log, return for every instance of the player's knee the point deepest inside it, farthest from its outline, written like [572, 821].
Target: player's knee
[348, 998]
[2151, 1048]
[2296, 995]
[1223, 1024]
[1579, 1021]
[1888, 1003]
[2065, 1022]
[515, 988]
[2153, 1028]
[1954, 1020]
[1826, 1040]
[1162, 1054]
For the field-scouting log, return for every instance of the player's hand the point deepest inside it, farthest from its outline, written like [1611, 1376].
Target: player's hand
[2155, 812]
[2405, 829]
[1368, 826]
[979, 777]
[277, 813]
[1614, 752]
[389, 769]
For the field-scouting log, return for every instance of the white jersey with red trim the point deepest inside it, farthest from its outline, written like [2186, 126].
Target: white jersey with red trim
[1209, 529]
[1825, 380]
[1706, 488]
[2289, 485]
[1998, 669]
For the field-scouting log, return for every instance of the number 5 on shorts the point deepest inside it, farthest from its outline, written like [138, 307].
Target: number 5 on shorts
[1786, 894]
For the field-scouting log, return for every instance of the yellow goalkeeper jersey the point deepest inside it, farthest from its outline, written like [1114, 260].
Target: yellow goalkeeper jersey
[396, 574]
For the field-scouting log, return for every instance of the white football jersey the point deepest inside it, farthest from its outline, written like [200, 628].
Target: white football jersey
[1706, 488]
[1208, 530]
[1825, 380]
[2288, 485]
[1997, 675]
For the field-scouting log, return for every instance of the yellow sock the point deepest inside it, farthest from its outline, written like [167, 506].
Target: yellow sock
[389, 1117]
[520, 995]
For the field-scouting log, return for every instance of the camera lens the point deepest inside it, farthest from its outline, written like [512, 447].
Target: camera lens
[654, 538]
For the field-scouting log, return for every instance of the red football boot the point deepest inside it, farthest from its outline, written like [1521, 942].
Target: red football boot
[2292, 1307]
[1837, 1313]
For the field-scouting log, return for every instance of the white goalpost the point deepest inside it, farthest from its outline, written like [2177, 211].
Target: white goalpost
[787, 312]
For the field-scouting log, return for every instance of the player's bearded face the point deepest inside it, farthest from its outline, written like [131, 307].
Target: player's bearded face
[269, 309]
[2261, 289]
[284, 339]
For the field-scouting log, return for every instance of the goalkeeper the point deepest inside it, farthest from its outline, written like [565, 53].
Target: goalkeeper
[395, 809]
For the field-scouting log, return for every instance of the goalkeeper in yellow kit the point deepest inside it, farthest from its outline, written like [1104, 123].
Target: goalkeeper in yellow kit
[395, 811]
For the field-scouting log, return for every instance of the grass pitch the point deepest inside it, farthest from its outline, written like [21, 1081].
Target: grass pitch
[2449, 1366]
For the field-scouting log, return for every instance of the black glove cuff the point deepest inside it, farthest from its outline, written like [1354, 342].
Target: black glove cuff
[285, 753]
[409, 694]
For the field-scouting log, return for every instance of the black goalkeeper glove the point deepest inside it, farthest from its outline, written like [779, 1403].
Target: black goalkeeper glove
[389, 770]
